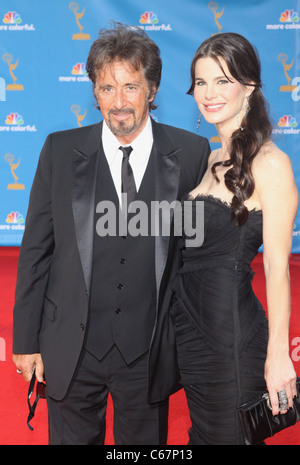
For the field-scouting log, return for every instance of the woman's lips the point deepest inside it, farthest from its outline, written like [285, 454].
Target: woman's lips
[214, 107]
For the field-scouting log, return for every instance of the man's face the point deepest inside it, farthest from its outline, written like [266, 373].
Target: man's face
[123, 96]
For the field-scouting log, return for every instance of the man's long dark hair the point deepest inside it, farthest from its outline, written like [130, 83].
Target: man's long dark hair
[244, 65]
[129, 44]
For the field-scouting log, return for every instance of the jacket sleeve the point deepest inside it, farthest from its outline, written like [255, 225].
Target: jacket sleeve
[34, 259]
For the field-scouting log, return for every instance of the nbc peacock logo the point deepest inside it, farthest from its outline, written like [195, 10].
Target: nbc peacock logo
[12, 21]
[288, 19]
[287, 121]
[149, 18]
[289, 16]
[15, 218]
[15, 122]
[12, 17]
[14, 119]
[78, 73]
[14, 221]
[79, 68]
[149, 21]
[287, 124]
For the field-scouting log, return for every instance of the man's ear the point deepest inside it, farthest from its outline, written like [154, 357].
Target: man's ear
[152, 92]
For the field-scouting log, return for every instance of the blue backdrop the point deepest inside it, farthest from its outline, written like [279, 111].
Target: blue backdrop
[44, 86]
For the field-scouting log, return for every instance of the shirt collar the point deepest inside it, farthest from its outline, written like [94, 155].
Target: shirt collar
[141, 145]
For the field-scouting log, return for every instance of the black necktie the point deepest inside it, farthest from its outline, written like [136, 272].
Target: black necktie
[128, 184]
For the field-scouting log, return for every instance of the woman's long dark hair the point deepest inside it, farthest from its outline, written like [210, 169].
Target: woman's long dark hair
[244, 65]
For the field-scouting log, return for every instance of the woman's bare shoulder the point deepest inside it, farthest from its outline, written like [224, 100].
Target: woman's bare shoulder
[271, 161]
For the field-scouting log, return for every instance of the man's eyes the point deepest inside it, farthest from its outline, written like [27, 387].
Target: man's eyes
[109, 89]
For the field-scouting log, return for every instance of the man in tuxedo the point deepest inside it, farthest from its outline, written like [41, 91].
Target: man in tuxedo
[91, 310]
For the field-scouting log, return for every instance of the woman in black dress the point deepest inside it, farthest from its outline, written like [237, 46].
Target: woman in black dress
[228, 351]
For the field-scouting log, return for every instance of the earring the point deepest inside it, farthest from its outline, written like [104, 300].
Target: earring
[199, 120]
[247, 108]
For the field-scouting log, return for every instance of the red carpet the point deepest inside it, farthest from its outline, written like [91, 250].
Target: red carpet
[13, 391]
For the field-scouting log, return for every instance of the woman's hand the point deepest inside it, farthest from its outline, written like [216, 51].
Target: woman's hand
[280, 376]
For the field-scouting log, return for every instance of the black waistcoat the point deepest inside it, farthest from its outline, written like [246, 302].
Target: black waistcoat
[123, 291]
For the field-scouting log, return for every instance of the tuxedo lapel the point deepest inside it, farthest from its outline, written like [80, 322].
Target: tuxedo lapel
[167, 171]
[84, 174]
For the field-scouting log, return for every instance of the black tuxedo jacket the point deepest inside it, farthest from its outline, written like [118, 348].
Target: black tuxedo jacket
[55, 262]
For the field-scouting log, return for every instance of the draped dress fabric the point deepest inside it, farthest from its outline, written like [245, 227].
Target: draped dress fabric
[221, 327]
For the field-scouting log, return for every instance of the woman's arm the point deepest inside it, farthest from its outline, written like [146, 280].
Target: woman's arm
[278, 196]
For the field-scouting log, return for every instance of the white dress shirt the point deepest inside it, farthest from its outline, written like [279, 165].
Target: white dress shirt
[139, 156]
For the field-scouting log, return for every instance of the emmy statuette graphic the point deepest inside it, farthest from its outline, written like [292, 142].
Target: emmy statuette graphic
[9, 157]
[76, 110]
[7, 57]
[282, 58]
[213, 6]
[79, 36]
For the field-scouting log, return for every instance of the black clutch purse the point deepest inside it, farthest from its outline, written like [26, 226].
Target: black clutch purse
[258, 423]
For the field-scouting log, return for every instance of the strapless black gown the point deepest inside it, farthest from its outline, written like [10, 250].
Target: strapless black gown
[221, 327]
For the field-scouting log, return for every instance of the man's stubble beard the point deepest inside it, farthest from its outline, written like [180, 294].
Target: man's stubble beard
[122, 128]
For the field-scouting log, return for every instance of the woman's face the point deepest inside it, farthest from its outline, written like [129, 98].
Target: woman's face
[218, 99]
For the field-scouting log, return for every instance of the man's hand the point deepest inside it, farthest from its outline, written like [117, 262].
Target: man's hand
[27, 363]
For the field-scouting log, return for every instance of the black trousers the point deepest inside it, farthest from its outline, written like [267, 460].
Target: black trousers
[79, 419]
